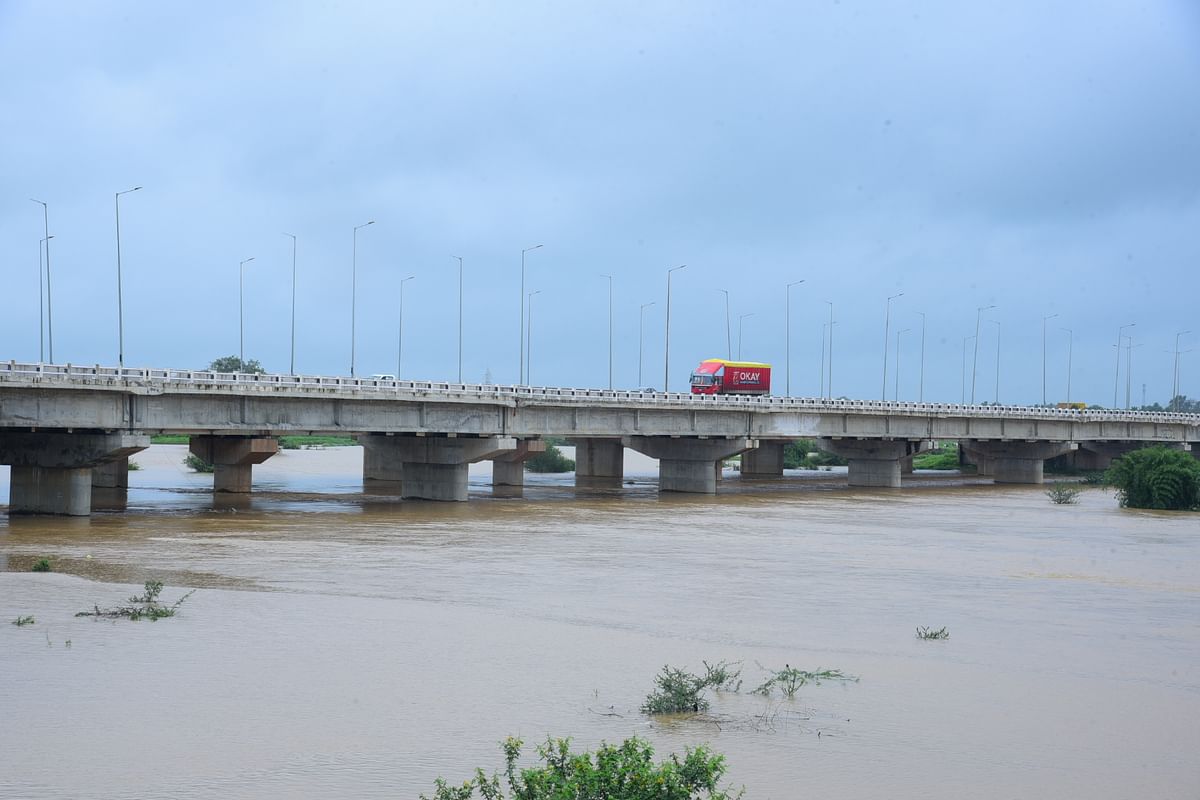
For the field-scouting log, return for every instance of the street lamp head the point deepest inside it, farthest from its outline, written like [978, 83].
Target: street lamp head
[289, 234]
[409, 278]
[247, 261]
[527, 249]
[795, 283]
[1052, 316]
[893, 297]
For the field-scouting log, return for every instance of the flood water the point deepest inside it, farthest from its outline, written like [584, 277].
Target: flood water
[342, 644]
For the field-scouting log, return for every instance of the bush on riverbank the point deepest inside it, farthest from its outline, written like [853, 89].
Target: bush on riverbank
[552, 460]
[944, 457]
[803, 454]
[196, 463]
[1155, 477]
[622, 772]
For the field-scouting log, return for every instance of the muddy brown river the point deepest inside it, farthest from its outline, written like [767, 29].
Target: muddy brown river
[342, 644]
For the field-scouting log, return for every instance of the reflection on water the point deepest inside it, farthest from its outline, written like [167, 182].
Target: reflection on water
[349, 644]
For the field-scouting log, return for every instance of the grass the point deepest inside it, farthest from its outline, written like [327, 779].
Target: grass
[311, 442]
[931, 634]
[21, 622]
[1063, 494]
[134, 466]
[142, 606]
[41, 565]
[170, 438]
[944, 457]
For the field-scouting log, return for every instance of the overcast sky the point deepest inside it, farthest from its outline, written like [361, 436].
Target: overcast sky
[1040, 157]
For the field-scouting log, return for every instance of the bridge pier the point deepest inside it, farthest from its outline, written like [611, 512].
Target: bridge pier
[52, 472]
[429, 468]
[1016, 462]
[874, 463]
[764, 461]
[599, 462]
[689, 465]
[233, 458]
[508, 469]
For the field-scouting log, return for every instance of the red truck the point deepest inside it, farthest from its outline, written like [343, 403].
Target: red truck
[718, 376]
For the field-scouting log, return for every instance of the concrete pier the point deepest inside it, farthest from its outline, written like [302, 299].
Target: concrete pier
[233, 458]
[508, 468]
[874, 462]
[599, 462]
[1016, 462]
[427, 467]
[689, 465]
[764, 461]
[52, 472]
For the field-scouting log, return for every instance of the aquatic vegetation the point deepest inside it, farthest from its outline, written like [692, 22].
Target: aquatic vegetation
[930, 633]
[41, 565]
[678, 691]
[790, 680]
[723, 675]
[143, 606]
[1063, 494]
[21, 622]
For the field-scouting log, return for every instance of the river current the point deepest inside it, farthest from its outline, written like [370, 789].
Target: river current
[346, 644]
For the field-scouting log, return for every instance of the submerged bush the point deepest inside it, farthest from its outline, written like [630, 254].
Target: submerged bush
[1156, 477]
[1063, 493]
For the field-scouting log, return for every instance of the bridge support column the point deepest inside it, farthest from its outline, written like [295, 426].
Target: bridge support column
[874, 462]
[1018, 462]
[764, 461]
[52, 472]
[599, 462]
[432, 468]
[508, 469]
[233, 458]
[689, 465]
[381, 462]
[113, 475]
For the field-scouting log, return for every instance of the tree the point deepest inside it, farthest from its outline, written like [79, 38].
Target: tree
[235, 364]
[1155, 477]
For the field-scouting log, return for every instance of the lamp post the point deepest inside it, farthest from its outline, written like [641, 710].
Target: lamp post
[896, 391]
[292, 360]
[1175, 370]
[740, 318]
[728, 339]
[1070, 348]
[41, 304]
[120, 308]
[1044, 319]
[963, 399]
[529, 337]
[997, 324]
[824, 330]
[829, 383]
[400, 328]
[887, 318]
[610, 330]
[49, 302]
[241, 313]
[641, 330]
[354, 290]
[460, 315]
[667, 337]
[787, 333]
[521, 348]
[975, 360]
[1117, 374]
[921, 389]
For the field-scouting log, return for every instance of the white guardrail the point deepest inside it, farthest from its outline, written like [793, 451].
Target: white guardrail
[49, 374]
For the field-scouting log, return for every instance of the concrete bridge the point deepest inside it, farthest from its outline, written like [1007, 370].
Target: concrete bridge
[65, 429]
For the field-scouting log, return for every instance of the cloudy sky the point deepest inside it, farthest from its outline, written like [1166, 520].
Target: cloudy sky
[1043, 158]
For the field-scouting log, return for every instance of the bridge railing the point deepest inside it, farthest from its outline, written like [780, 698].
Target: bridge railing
[13, 371]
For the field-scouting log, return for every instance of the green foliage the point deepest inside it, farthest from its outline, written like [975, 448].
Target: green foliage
[930, 633]
[134, 466]
[678, 691]
[944, 457]
[723, 676]
[1063, 494]
[789, 680]
[1155, 477]
[803, 454]
[41, 565]
[21, 622]
[170, 438]
[552, 460]
[143, 606]
[615, 772]
[196, 463]
[315, 442]
[235, 364]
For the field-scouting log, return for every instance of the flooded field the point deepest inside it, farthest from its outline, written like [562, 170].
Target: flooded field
[342, 644]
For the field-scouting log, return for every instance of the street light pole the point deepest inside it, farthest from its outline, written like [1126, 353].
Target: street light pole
[292, 361]
[1175, 370]
[641, 331]
[120, 308]
[1070, 353]
[1044, 319]
[896, 392]
[740, 318]
[400, 329]
[529, 338]
[975, 360]
[787, 333]
[963, 399]
[997, 324]
[824, 329]
[241, 313]
[728, 339]
[610, 331]
[829, 383]
[667, 337]
[1117, 374]
[921, 389]
[460, 315]
[49, 301]
[41, 305]
[887, 318]
[521, 348]
[354, 291]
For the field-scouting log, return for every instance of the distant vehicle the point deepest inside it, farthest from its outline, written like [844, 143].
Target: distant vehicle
[1076, 406]
[718, 376]
[383, 376]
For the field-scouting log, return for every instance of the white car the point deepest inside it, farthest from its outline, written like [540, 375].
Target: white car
[383, 377]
